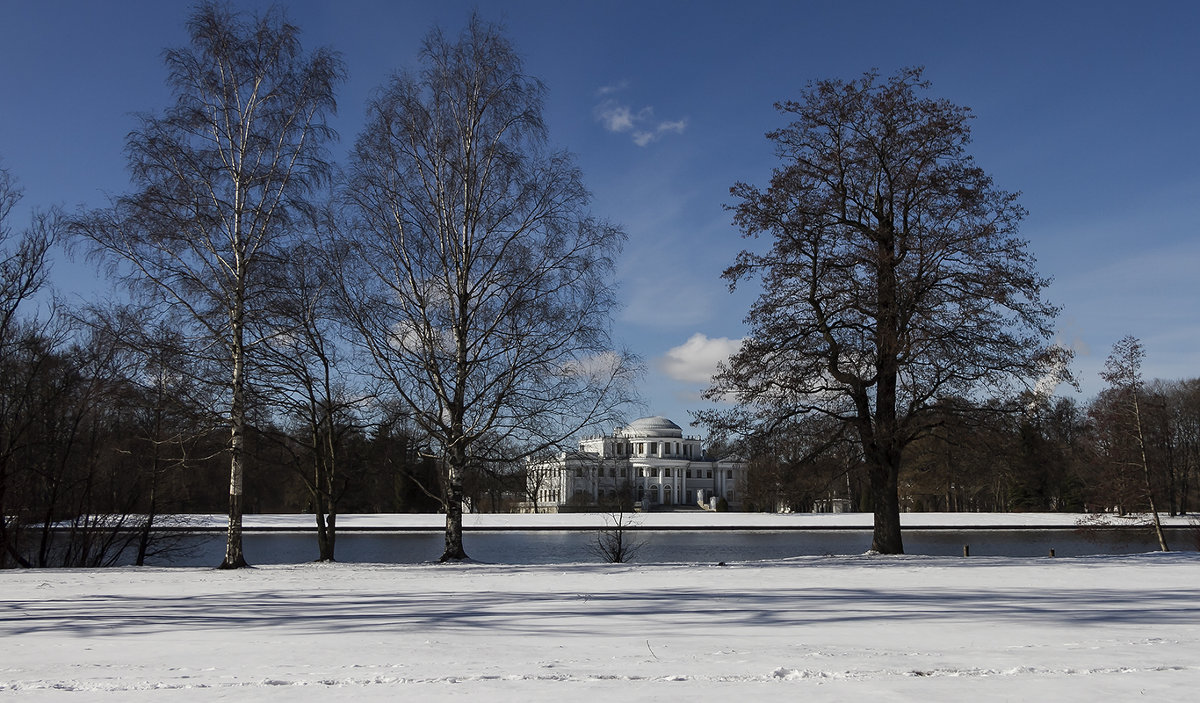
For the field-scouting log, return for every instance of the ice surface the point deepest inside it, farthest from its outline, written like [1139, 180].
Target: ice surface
[693, 519]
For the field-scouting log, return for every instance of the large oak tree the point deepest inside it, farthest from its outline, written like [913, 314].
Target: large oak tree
[895, 278]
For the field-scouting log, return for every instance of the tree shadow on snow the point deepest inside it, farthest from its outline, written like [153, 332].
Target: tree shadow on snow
[523, 612]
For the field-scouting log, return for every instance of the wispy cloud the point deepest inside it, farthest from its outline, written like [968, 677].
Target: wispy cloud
[610, 89]
[696, 360]
[640, 124]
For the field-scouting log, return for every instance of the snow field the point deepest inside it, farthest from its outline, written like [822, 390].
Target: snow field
[821, 628]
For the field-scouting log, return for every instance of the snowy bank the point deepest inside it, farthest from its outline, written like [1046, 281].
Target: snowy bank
[689, 520]
[813, 628]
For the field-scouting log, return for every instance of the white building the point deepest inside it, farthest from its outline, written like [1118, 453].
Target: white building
[649, 461]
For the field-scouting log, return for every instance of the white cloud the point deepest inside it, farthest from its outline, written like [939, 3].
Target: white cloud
[696, 360]
[644, 137]
[600, 368]
[620, 117]
[677, 126]
[615, 118]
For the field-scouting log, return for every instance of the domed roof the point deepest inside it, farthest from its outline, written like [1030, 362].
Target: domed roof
[656, 426]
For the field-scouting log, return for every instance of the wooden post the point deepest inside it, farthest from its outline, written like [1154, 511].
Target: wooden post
[966, 550]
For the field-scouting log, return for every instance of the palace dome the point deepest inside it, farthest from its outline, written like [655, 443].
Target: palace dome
[656, 426]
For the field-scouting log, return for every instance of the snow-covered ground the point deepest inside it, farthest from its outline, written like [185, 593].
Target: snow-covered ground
[811, 628]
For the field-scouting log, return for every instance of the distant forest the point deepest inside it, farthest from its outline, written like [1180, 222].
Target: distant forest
[1059, 455]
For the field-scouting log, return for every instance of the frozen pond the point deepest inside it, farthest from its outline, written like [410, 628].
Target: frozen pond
[672, 546]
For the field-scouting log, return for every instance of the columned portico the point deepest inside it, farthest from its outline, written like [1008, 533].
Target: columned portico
[649, 461]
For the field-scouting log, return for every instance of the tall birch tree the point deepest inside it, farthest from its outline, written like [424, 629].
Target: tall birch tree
[476, 276]
[1125, 398]
[217, 177]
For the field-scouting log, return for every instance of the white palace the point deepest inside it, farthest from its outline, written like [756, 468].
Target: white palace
[649, 461]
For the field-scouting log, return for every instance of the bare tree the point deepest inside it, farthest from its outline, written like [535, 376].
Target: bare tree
[218, 176]
[617, 542]
[166, 394]
[477, 279]
[308, 384]
[24, 266]
[24, 262]
[1123, 373]
[895, 279]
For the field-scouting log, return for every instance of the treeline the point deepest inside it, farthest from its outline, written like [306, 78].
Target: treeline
[108, 431]
[385, 335]
[1058, 455]
[114, 421]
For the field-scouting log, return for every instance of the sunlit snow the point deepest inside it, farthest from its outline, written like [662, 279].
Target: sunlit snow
[811, 628]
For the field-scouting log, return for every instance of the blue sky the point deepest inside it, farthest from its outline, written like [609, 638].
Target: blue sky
[1090, 109]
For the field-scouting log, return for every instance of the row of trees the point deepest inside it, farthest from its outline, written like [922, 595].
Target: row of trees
[452, 278]
[1056, 456]
[110, 430]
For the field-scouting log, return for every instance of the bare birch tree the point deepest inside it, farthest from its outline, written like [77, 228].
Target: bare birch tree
[217, 177]
[1123, 373]
[476, 277]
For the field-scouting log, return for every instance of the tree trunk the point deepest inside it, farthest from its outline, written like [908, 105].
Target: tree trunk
[453, 503]
[147, 528]
[325, 532]
[886, 538]
[234, 557]
[1141, 440]
[155, 470]
[884, 453]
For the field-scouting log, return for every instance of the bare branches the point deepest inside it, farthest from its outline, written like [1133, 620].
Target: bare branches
[895, 276]
[24, 257]
[1123, 373]
[475, 277]
[219, 178]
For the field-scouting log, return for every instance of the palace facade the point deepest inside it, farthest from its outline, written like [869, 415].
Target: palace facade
[648, 462]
